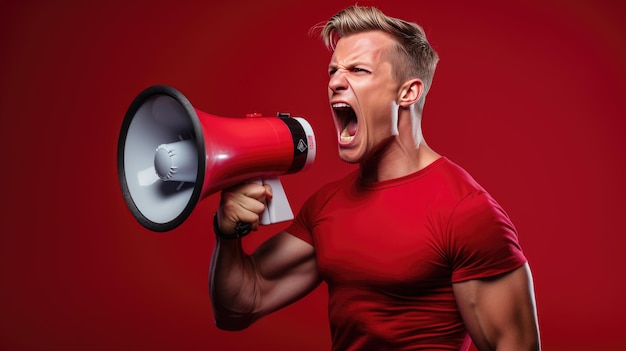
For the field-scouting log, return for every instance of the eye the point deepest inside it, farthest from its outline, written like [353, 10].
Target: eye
[332, 71]
[360, 70]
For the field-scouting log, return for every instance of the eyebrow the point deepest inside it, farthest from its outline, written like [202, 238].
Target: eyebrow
[350, 65]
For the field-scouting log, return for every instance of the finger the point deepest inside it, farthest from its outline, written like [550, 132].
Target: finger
[234, 201]
[229, 217]
[238, 204]
[269, 193]
[253, 190]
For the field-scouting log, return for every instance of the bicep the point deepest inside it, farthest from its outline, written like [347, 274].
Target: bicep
[286, 269]
[499, 312]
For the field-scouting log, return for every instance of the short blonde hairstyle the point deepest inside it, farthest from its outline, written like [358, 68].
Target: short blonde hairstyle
[417, 58]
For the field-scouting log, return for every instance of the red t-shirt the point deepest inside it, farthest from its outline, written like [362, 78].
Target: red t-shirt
[390, 251]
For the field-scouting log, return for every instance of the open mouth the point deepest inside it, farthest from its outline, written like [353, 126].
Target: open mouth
[347, 121]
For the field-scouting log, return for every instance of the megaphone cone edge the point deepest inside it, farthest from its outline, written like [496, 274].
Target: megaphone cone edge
[161, 120]
[198, 137]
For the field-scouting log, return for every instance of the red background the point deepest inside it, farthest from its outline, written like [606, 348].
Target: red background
[527, 97]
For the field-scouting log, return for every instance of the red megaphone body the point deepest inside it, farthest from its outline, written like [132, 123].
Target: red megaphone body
[171, 155]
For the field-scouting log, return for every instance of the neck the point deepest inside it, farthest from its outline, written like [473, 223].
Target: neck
[401, 155]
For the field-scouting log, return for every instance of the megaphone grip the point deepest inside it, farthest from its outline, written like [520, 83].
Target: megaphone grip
[277, 208]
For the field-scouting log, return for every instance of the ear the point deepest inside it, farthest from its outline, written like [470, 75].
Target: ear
[410, 92]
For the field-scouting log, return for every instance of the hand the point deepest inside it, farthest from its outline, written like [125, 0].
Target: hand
[243, 203]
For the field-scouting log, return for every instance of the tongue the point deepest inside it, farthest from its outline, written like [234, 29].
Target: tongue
[351, 128]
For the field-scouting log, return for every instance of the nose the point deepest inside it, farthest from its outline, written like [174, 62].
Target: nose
[337, 81]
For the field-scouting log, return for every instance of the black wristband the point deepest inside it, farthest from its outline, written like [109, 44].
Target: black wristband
[241, 230]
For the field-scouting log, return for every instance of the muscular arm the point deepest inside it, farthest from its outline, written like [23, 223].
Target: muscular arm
[500, 313]
[246, 287]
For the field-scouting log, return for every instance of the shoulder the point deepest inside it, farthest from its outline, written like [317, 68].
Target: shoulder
[456, 178]
[445, 186]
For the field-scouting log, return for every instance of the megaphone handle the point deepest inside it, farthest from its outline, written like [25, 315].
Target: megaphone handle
[277, 209]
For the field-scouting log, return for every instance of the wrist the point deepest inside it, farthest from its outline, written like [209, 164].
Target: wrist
[241, 230]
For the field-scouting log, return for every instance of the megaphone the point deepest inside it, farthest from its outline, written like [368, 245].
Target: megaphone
[171, 155]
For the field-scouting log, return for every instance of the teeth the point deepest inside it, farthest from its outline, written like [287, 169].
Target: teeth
[341, 105]
[345, 136]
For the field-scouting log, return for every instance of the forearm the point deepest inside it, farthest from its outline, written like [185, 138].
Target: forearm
[246, 287]
[233, 286]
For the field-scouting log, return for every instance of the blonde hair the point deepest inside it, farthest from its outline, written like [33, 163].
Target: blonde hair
[417, 58]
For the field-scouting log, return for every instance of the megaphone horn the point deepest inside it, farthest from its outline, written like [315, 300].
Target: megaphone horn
[171, 155]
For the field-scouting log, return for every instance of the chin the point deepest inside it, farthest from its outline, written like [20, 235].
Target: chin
[350, 157]
[350, 161]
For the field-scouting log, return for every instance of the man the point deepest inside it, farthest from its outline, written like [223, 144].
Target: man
[415, 253]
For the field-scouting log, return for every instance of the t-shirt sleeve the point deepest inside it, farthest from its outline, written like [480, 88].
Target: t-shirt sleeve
[304, 224]
[483, 241]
